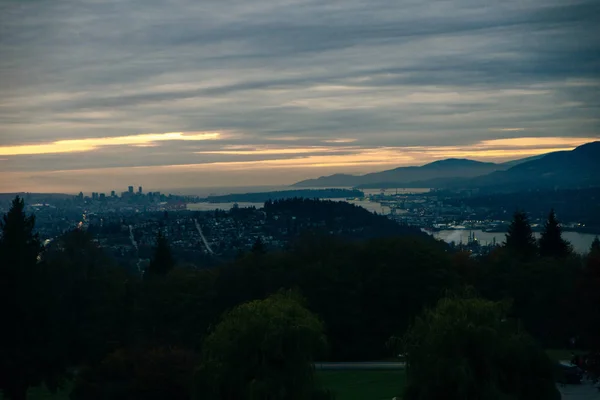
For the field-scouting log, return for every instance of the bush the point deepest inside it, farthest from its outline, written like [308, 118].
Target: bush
[159, 373]
[466, 348]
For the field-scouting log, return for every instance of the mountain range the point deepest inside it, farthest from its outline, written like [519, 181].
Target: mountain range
[579, 167]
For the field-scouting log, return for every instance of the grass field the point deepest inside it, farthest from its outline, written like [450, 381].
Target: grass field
[366, 384]
[41, 393]
[347, 385]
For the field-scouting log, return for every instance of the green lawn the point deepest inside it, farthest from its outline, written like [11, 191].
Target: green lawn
[41, 393]
[361, 385]
[347, 385]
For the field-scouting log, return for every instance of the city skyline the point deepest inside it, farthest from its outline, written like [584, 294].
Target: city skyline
[191, 95]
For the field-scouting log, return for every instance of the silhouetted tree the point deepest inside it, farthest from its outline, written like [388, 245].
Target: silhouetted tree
[150, 374]
[177, 309]
[28, 355]
[277, 338]
[467, 348]
[519, 238]
[162, 262]
[551, 242]
[259, 247]
[589, 297]
[595, 247]
[95, 303]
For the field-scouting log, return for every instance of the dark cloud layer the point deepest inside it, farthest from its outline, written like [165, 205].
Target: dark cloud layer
[384, 73]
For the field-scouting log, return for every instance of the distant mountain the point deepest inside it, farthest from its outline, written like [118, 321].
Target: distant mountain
[510, 164]
[403, 176]
[337, 180]
[579, 167]
[563, 169]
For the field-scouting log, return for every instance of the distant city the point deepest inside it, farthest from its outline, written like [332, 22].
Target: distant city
[207, 230]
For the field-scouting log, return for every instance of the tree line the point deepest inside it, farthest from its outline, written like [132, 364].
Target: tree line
[251, 328]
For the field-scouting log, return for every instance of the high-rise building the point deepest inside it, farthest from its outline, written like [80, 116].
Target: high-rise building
[130, 189]
[112, 193]
[102, 196]
[140, 190]
[94, 196]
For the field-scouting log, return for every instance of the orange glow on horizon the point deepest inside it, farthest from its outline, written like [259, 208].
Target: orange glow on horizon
[89, 144]
[536, 141]
[262, 150]
[282, 170]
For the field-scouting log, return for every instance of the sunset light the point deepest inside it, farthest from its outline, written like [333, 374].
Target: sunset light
[83, 145]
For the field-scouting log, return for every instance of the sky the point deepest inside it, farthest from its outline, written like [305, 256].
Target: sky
[96, 95]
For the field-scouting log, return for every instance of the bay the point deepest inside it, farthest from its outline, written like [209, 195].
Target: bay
[581, 241]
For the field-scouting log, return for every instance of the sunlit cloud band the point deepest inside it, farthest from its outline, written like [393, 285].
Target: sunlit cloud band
[89, 144]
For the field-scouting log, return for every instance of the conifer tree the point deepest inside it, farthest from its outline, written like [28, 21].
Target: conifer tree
[595, 247]
[551, 242]
[519, 238]
[28, 355]
[162, 262]
[258, 247]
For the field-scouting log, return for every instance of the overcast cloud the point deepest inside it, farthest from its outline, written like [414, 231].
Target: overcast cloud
[309, 87]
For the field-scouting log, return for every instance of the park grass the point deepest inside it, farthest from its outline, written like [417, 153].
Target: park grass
[345, 384]
[363, 384]
[42, 393]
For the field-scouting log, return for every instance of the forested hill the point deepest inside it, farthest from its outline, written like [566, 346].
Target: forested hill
[286, 194]
[335, 217]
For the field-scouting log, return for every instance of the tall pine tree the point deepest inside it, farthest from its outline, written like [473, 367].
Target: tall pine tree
[589, 297]
[551, 242]
[29, 355]
[595, 247]
[258, 247]
[162, 262]
[519, 238]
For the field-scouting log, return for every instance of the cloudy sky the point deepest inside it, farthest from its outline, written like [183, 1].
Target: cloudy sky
[99, 94]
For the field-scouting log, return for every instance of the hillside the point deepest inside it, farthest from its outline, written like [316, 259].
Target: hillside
[403, 176]
[261, 197]
[339, 218]
[564, 169]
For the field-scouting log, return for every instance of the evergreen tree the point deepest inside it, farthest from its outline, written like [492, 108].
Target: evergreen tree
[162, 262]
[28, 354]
[595, 247]
[551, 242]
[589, 298]
[259, 247]
[519, 238]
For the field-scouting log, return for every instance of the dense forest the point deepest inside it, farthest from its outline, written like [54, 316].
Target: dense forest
[343, 219]
[232, 331]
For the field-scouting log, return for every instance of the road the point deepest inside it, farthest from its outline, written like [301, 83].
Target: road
[360, 365]
[203, 238]
[135, 245]
[585, 391]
